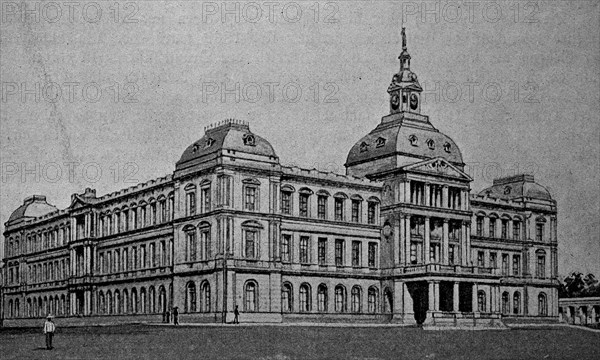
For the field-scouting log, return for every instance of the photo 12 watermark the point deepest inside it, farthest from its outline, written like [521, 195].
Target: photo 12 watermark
[235, 12]
[473, 91]
[269, 92]
[434, 12]
[71, 172]
[69, 91]
[91, 12]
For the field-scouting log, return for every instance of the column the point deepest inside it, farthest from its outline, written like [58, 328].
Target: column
[436, 292]
[475, 309]
[364, 256]
[331, 251]
[408, 303]
[455, 297]
[400, 247]
[445, 244]
[432, 299]
[348, 252]
[407, 239]
[72, 269]
[398, 228]
[509, 234]
[427, 191]
[426, 257]
[87, 259]
[468, 244]
[314, 249]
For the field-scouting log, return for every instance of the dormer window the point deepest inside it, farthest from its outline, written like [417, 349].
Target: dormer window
[380, 142]
[249, 140]
[431, 144]
[447, 147]
[414, 141]
[209, 143]
[195, 148]
[364, 147]
[507, 190]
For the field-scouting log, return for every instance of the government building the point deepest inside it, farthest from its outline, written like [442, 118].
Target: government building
[399, 238]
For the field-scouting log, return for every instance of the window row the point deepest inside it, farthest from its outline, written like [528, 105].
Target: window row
[512, 266]
[137, 216]
[436, 229]
[338, 207]
[131, 301]
[198, 242]
[499, 228]
[436, 195]
[195, 205]
[417, 255]
[304, 299]
[151, 255]
[328, 251]
[49, 271]
[38, 241]
[517, 307]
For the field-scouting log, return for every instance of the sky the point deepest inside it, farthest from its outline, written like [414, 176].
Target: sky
[106, 94]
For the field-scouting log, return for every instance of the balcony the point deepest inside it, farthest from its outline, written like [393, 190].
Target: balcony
[445, 269]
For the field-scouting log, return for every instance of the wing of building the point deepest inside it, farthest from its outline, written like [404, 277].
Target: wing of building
[399, 238]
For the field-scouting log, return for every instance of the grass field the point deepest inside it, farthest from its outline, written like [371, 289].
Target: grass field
[298, 342]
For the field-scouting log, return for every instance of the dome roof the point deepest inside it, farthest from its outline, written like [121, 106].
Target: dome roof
[233, 135]
[406, 137]
[515, 187]
[33, 206]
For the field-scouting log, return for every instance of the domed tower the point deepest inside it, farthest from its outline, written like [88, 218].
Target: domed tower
[405, 136]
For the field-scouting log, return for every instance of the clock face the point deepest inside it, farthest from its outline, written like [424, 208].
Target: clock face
[414, 102]
[395, 101]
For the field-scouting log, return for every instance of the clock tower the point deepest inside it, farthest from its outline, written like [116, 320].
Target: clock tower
[405, 90]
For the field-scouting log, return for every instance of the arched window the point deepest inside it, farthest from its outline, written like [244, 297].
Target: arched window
[10, 308]
[505, 305]
[373, 299]
[118, 304]
[191, 243]
[517, 303]
[481, 303]
[322, 298]
[542, 304]
[356, 299]
[190, 297]
[251, 296]
[126, 304]
[101, 303]
[64, 305]
[162, 299]
[286, 298]
[389, 301]
[206, 296]
[109, 302]
[29, 308]
[134, 301]
[304, 298]
[40, 308]
[251, 238]
[340, 298]
[205, 243]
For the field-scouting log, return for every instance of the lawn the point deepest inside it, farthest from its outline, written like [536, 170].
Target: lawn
[299, 342]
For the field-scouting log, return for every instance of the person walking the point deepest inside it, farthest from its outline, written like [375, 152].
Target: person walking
[236, 312]
[49, 329]
[176, 315]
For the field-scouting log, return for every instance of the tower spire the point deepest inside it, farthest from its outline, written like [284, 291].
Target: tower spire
[403, 39]
[404, 55]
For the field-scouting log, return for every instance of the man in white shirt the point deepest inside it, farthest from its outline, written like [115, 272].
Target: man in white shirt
[49, 329]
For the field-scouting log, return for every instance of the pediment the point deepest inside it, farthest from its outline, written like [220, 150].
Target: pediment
[438, 166]
[77, 203]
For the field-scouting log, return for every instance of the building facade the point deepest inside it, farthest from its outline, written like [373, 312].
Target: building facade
[399, 238]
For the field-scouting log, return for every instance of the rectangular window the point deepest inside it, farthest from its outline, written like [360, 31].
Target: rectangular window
[152, 255]
[434, 253]
[143, 256]
[413, 253]
[516, 265]
[251, 244]
[480, 259]
[206, 198]
[452, 254]
[205, 244]
[356, 253]
[304, 249]
[492, 228]
[539, 232]
[339, 252]
[356, 210]
[541, 266]
[504, 229]
[322, 251]
[322, 207]
[191, 240]
[304, 204]
[339, 209]
[286, 202]
[191, 205]
[285, 247]
[504, 264]
[250, 199]
[516, 230]
[493, 260]
[372, 254]
[371, 212]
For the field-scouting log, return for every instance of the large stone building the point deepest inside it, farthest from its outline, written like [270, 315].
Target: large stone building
[399, 238]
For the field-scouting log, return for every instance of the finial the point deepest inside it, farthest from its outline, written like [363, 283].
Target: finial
[403, 38]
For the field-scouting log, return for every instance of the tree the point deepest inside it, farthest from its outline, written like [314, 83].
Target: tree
[577, 285]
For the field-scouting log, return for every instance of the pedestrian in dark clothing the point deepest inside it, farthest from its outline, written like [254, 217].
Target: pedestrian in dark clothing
[49, 329]
[176, 315]
[236, 312]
